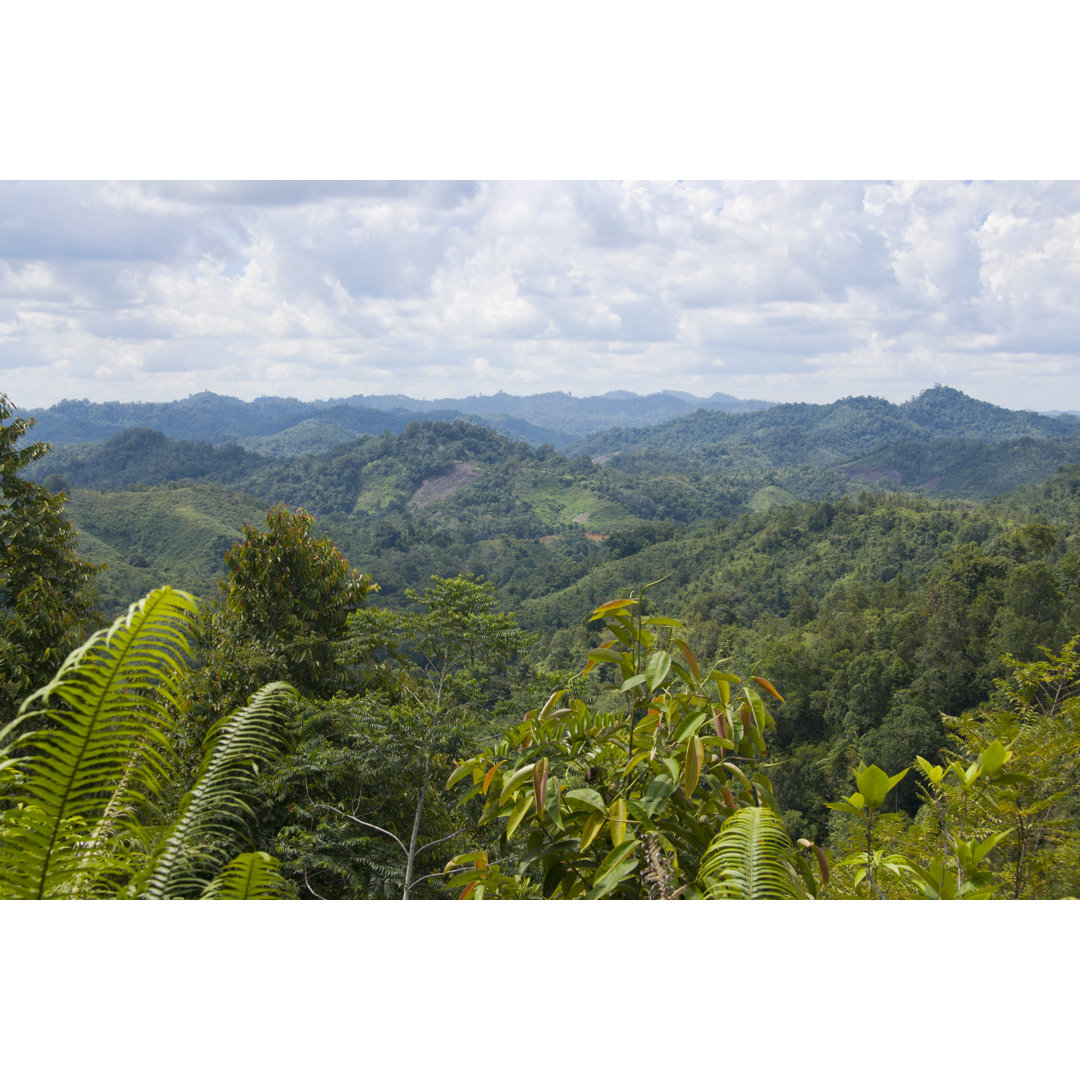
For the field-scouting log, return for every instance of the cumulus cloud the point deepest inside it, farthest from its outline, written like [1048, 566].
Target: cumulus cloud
[794, 291]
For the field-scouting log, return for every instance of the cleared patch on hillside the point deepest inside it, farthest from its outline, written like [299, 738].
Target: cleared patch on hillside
[438, 487]
[771, 496]
[873, 474]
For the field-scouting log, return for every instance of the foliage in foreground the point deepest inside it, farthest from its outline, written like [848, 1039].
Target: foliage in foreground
[46, 595]
[663, 797]
[84, 764]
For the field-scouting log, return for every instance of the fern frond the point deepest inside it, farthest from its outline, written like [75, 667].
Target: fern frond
[251, 876]
[750, 858]
[213, 814]
[103, 749]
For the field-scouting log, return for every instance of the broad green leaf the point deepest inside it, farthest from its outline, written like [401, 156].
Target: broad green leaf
[689, 725]
[634, 680]
[592, 827]
[933, 773]
[517, 815]
[658, 793]
[609, 608]
[462, 770]
[982, 850]
[605, 655]
[736, 771]
[874, 785]
[617, 821]
[656, 669]
[695, 758]
[614, 857]
[624, 870]
[515, 781]
[852, 804]
[993, 758]
[585, 799]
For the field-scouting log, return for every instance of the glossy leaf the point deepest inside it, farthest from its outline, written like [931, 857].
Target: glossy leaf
[695, 758]
[657, 668]
[517, 815]
[585, 799]
[591, 829]
[617, 821]
[539, 782]
[874, 785]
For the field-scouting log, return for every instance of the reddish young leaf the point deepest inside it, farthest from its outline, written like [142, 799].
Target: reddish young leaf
[540, 779]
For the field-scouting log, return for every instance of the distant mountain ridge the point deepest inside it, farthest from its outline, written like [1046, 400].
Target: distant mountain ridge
[287, 426]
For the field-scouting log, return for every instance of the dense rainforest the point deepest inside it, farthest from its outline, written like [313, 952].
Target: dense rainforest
[731, 651]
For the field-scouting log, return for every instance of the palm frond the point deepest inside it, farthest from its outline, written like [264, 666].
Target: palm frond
[103, 749]
[214, 814]
[751, 858]
[254, 875]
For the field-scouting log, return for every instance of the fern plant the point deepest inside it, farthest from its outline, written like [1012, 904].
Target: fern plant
[74, 791]
[752, 858]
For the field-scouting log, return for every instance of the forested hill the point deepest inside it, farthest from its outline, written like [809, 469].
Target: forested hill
[269, 425]
[287, 426]
[831, 434]
[573, 415]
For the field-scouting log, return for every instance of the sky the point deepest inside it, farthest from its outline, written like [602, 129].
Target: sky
[788, 291]
[534, 280]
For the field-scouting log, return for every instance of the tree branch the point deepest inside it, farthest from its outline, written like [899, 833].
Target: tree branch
[435, 843]
[366, 824]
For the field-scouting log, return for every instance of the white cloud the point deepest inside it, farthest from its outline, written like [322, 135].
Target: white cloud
[788, 290]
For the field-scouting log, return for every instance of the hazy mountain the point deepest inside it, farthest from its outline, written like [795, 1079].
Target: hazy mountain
[276, 426]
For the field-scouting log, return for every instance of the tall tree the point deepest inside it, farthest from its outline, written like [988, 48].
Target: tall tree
[366, 780]
[47, 600]
[283, 608]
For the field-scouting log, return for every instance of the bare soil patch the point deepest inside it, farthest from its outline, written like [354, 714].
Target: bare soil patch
[436, 488]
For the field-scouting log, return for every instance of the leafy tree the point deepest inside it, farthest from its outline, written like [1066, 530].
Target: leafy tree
[1034, 803]
[664, 798]
[46, 596]
[372, 809]
[80, 798]
[282, 610]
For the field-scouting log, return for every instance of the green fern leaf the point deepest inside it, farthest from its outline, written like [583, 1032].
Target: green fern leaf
[252, 876]
[213, 814]
[750, 858]
[103, 750]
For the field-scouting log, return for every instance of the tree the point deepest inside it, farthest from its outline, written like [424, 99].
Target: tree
[664, 798]
[283, 608]
[80, 794]
[46, 595]
[426, 684]
[1034, 803]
